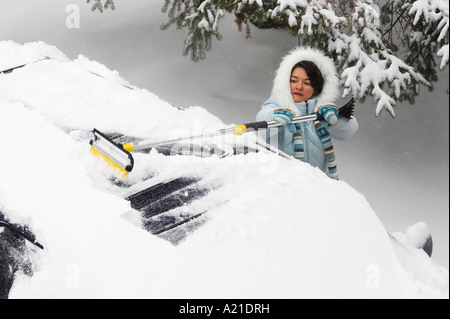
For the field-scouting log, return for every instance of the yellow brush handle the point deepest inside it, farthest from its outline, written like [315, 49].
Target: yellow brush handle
[128, 147]
[240, 129]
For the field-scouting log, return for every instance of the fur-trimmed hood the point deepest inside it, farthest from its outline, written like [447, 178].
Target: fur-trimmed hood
[281, 91]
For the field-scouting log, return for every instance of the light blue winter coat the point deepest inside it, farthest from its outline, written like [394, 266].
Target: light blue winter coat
[283, 138]
[281, 97]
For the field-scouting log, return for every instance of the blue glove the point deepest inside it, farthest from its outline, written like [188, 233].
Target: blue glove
[283, 116]
[330, 113]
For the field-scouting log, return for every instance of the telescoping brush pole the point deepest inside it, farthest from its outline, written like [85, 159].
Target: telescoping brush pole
[236, 130]
[119, 157]
[147, 146]
[345, 111]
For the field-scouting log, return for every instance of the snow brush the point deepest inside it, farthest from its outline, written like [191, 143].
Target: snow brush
[115, 155]
[119, 158]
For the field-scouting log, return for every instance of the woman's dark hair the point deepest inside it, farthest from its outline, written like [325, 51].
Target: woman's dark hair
[314, 74]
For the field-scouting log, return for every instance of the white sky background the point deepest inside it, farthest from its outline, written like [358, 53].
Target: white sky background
[400, 165]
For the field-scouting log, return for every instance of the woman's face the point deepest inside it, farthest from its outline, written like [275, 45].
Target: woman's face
[301, 88]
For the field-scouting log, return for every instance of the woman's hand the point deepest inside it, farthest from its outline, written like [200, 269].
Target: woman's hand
[283, 116]
[330, 113]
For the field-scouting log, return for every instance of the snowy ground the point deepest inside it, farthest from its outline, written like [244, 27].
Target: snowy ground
[268, 235]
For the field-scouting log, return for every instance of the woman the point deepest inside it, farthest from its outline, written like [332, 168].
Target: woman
[305, 83]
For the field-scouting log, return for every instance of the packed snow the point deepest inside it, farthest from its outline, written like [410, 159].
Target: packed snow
[277, 227]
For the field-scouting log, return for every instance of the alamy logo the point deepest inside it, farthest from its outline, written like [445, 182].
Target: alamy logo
[373, 276]
[73, 18]
[73, 276]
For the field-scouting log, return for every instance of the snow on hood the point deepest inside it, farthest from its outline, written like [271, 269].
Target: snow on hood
[77, 93]
[277, 228]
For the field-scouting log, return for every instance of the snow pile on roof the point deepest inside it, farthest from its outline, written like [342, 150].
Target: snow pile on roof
[277, 228]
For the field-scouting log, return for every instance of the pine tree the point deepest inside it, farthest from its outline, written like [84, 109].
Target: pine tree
[98, 5]
[386, 51]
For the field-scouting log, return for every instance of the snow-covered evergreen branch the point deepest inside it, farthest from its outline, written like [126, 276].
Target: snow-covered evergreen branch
[202, 20]
[430, 25]
[359, 35]
[351, 32]
[98, 5]
[384, 52]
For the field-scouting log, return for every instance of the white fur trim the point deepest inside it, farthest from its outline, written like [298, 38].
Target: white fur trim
[281, 91]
